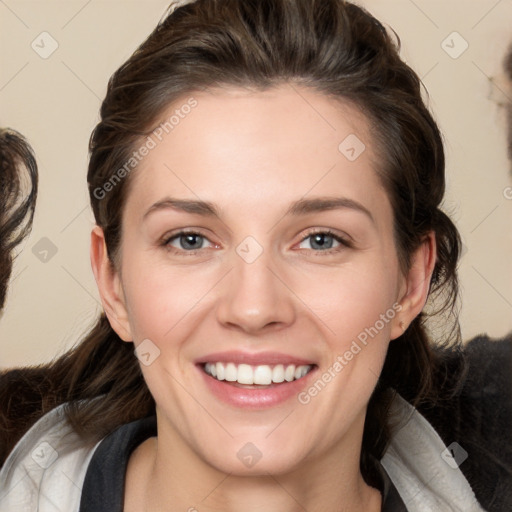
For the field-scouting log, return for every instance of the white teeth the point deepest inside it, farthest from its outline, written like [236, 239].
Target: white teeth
[289, 373]
[219, 367]
[230, 373]
[278, 373]
[263, 375]
[300, 371]
[245, 374]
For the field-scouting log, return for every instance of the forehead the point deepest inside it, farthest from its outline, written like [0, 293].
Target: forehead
[240, 146]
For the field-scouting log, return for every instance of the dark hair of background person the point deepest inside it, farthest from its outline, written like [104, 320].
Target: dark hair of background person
[18, 194]
[332, 47]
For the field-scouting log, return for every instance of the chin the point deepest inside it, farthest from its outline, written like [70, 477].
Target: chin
[242, 457]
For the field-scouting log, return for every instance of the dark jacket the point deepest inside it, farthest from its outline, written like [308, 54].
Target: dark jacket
[479, 418]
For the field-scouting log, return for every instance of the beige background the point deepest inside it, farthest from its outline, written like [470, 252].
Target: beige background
[55, 101]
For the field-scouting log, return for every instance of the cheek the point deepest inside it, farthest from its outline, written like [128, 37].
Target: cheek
[351, 299]
[355, 306]
[161, 297]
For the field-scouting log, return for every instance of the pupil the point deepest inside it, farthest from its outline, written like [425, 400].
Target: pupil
[322, 241]
[191, 241]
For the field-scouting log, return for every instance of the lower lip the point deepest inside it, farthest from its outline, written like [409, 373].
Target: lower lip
[254, 398]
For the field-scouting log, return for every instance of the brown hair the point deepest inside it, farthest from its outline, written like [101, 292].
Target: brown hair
[18, 193]
[331, 46]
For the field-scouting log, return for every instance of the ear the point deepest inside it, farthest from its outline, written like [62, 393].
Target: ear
[414, 290]
[109, 286]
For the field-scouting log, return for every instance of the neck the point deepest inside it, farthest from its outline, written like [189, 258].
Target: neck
[178, 480]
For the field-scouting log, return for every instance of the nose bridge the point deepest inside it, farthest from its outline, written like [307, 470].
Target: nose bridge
[253, 297]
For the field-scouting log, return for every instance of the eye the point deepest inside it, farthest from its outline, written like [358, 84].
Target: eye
[187, 241]
[323, 241]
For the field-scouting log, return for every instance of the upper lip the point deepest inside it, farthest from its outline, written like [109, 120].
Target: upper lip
[254, 359]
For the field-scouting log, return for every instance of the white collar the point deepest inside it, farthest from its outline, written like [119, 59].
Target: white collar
[421, 467]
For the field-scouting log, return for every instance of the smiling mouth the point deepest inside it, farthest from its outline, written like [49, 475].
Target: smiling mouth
[256, 376]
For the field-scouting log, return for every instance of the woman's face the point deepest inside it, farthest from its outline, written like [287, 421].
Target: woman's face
[258, 243]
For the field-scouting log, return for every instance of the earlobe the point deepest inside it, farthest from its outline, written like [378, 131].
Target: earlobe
[416, 285]
[109, 286]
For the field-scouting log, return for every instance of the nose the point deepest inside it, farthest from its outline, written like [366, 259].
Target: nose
[255, 298]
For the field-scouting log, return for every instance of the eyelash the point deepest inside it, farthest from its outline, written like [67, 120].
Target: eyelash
[344, 242]
[168, 239]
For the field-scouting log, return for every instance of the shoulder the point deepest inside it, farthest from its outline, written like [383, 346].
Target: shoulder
[478, 418]
[47, 466]
[483, 405]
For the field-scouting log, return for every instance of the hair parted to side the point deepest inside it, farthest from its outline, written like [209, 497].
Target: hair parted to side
[18, 194]
[330, 46]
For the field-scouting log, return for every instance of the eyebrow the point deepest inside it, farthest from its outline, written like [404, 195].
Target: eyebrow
[320, 204]
[300, 207]
[204, 208]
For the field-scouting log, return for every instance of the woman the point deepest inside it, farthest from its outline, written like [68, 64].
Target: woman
[266, 182]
